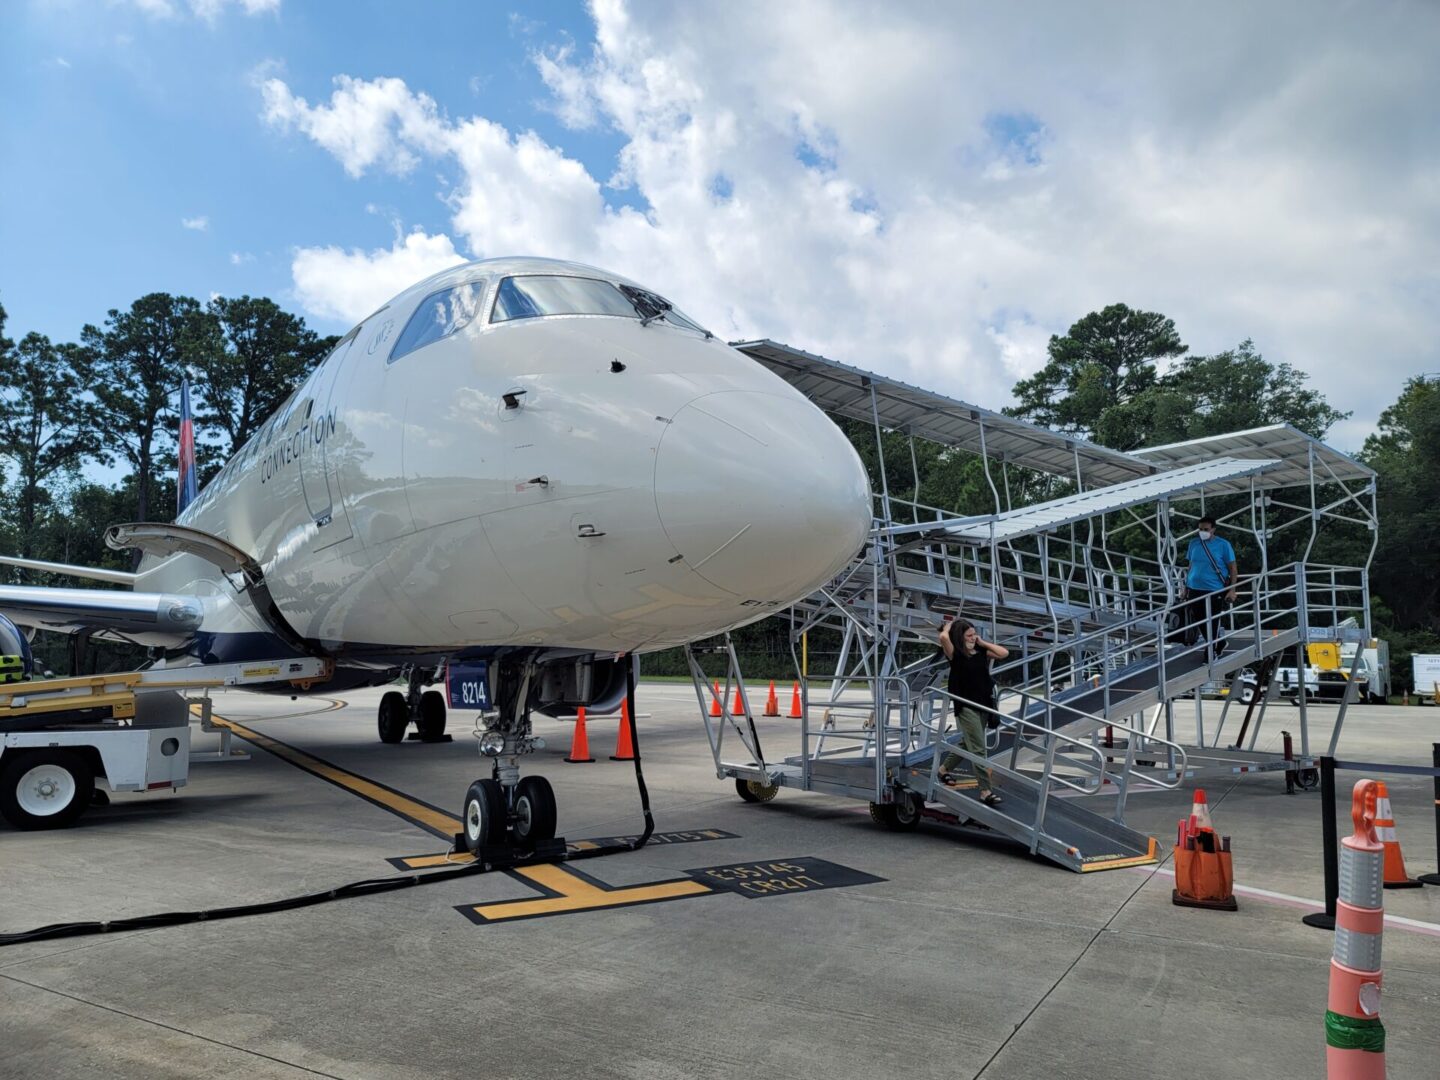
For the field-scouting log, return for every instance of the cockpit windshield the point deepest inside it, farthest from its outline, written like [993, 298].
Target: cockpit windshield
[536, 295]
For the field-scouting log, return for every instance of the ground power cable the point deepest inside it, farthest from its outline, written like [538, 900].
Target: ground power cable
[366, 887]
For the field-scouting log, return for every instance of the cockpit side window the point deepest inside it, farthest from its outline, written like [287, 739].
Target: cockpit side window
[536, 295]
[438, 316]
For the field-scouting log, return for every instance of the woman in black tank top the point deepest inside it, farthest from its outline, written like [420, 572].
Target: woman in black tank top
[970, 683]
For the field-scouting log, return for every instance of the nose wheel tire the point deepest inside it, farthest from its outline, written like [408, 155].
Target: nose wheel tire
[752, 791]
[535, 811]
[431, 724]
[394, 717]
[484, 815]
[45, 789]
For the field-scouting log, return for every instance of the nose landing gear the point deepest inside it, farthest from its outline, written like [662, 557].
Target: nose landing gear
[424, 708]
[506, 811]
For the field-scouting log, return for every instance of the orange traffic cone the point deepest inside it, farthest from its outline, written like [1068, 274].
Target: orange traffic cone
[795, 713]
[579, 742]
[772, 706]
[1395, 874]
[738, 707]
[715, 709]
[1200, 811]
[625, 742]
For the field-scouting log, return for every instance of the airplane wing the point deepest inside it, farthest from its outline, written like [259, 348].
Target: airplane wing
[151, 617]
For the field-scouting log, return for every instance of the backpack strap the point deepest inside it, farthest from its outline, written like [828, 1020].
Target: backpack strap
[1221, 574]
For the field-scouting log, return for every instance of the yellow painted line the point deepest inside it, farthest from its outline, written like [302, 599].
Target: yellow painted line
[430, 818]
[1116, 864]
[574, 893]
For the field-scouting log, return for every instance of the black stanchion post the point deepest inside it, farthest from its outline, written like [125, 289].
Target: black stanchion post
[1325, 920]
[1434, 879]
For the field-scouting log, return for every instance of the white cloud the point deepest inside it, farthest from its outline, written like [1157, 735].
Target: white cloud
[240, 258]
[348, 285]
[208, 10]
[199, 223]
[61, 62]
[932, 190]
[357, 124]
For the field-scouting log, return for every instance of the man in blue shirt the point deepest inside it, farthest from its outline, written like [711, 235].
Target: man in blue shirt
[1210, 583]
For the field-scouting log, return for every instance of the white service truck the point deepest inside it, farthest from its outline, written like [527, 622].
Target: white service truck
[1425, 667]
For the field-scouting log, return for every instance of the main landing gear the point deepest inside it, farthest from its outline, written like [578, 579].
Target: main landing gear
[506, 810]
[424, 708]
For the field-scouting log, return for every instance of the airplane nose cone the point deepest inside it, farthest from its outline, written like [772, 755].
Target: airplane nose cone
[761, 494]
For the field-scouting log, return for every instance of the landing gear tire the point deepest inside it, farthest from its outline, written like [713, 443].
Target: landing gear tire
[535, 812]
[484, 815]
[752, 791]
[431, 724]
[45, 789]
[394, 717]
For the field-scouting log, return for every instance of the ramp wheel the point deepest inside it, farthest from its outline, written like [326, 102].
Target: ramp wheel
[431, 724]
[902, 815]
[45, 789]
[484, 814]
[755, 792]
[535, 811]
[394, 717]
[1308, 779]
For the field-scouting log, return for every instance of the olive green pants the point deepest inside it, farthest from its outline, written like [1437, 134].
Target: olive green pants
[971, 723]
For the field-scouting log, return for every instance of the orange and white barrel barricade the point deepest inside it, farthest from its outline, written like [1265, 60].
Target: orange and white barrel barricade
[1354, 1035]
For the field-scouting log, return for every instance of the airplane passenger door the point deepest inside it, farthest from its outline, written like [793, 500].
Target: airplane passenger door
[324, 435]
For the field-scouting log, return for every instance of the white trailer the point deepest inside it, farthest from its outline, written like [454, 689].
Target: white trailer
[130, 730]
[1425, 668]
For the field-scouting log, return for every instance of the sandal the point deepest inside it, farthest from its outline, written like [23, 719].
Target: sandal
[990, 798]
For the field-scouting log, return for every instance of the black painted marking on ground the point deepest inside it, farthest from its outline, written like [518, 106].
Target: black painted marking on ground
[781, 877]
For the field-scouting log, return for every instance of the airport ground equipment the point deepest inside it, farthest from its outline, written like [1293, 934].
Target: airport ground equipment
[130, 730]
[1106, 664]
[1425, 676]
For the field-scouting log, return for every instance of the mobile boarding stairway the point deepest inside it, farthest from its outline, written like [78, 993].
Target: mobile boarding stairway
[1090, 702]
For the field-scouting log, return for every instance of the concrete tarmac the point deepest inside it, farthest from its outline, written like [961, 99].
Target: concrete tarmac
[966, 958]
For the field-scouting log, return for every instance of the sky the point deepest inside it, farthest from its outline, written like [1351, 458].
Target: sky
[926, 190]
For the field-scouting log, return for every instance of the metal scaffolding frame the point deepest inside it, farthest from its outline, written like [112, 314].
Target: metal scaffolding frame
[1046, 580]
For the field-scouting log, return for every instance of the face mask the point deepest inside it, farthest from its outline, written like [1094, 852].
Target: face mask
[1205, 534]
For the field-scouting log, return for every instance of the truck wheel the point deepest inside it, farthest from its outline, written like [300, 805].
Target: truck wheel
[44, 789]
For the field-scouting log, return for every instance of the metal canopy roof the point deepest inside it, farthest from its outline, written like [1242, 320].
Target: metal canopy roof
[1290, 447]
[1048, 516]
[845, 391]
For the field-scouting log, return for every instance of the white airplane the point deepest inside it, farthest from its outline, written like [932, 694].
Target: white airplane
[534, 468]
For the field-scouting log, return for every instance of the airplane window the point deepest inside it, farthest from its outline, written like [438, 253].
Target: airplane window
[536, 295]
[438, 316]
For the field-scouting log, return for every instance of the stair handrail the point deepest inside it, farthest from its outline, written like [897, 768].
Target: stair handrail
[1100, 636]
[1011, 720]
